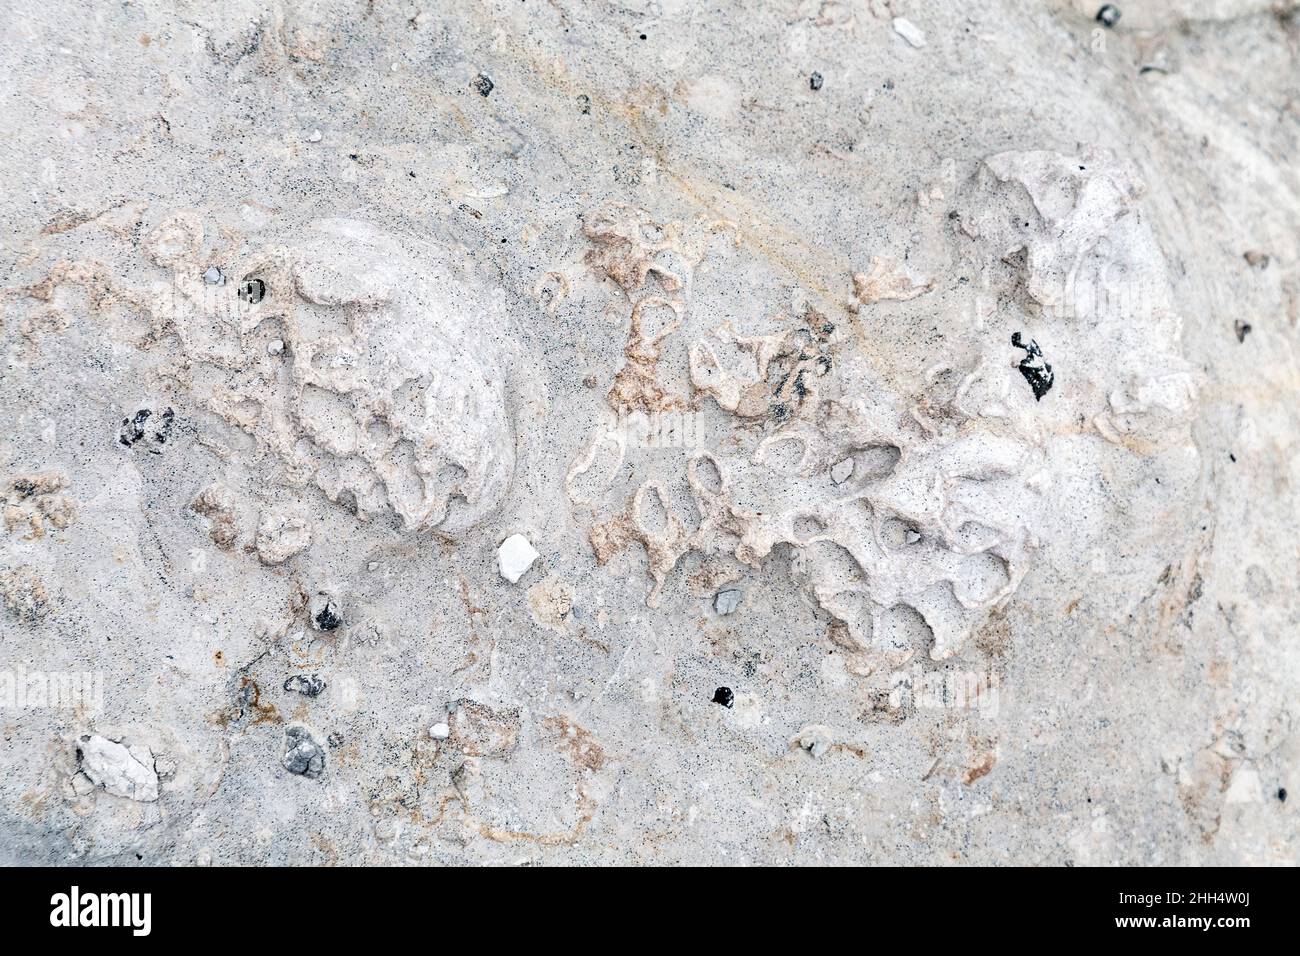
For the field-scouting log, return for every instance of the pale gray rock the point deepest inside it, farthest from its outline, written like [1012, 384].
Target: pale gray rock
[726, 602]
[995, 432]
[303, 756]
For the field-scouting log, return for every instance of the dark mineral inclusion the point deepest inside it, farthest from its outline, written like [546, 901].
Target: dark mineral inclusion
[1037, 372]
[307, 686]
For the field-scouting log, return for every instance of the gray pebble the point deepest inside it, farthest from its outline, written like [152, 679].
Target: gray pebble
[726, 602]
[302, 754]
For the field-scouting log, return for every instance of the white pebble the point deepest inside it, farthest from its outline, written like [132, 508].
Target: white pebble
[515, 556]
[316, 136]
[274, 347]
[909, 31]
[841, 470]
[440, 731]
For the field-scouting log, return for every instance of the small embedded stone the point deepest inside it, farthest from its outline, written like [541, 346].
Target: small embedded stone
[307, 686]
[151, 436]
[1036, 370]
[909, 31]
[815, 739]
[515, 556]
[724, 696]
[326, 615]
[842, 471]
[303, 756]
[726, 602]
[1108, 15]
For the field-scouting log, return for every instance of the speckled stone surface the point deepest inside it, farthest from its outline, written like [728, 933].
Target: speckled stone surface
[899, 398]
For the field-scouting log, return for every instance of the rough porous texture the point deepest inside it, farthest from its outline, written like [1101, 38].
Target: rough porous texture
[650, 432]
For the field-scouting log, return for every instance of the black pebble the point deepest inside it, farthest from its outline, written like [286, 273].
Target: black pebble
[724, 696]
[1281, 794]
[1037, 372]
[328, 619]
[307, 686]
[483, 83]
[815, 81]
[1108, 15]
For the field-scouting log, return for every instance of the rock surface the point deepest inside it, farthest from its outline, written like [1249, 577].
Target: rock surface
[902, 395]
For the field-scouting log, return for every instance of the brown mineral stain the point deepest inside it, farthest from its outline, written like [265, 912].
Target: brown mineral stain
[979, 768]
[575, 742]
[471, 608]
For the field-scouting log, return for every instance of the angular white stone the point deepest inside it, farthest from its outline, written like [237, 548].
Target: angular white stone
[842, 470]
[440, 731]
[515, 556]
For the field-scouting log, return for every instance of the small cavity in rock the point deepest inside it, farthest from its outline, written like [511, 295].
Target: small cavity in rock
[252, 291]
